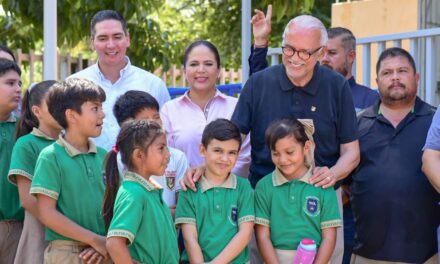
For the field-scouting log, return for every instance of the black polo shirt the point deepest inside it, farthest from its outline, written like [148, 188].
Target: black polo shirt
[394, 205]
[269, 95]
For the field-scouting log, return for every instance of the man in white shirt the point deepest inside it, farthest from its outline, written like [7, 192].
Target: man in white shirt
[114, 72]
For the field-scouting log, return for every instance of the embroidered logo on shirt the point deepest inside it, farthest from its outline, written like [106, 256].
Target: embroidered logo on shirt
[233, 216]
[170, 177]
[312, 206]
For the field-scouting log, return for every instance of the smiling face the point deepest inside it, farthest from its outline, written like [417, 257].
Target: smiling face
[201, 69]
[10, 92]
[300, 71]
[156, 159]
[397, 81]
[220, 157]
[289, 157]
[110, 43]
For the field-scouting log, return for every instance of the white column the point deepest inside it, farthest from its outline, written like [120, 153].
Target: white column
[246, 41]
[50, 65]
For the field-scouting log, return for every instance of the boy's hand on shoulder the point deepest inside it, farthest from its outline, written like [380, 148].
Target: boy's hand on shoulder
[98, 244]
[91, 256]
[192, 175]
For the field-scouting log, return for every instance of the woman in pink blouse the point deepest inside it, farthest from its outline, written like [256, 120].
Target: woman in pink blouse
[185, 117]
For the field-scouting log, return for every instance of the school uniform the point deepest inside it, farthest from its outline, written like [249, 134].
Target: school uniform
[74, 180]
[11, 213]
[294, 210]
[141, 216]
[217, 212]
[24, 157]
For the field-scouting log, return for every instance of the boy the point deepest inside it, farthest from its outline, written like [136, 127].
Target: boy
[68, 176]
[11, 213]
[141, 105]
[217, 221]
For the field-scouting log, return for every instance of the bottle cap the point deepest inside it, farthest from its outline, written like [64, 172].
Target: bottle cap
[308, 244]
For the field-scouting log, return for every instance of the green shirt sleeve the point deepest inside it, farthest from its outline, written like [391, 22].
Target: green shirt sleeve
[127, 216]
[185, 210]
[246, 210]
[262, 204]
[23, 161]
[47, 177]
[330, 216]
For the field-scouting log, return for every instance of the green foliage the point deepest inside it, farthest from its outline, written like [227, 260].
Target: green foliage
[159, 30]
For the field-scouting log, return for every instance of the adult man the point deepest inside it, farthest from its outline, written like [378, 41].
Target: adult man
[114, 72]
[339, 56]
[394, 205]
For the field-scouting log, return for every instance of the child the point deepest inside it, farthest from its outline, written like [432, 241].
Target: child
[141, 105]
[287, 207]
[140, 218]
[68, 175]
[217, 221]
[11, 213]
[36, 130]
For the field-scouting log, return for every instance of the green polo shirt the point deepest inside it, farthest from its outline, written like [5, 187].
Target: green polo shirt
[141, 216]
[10, 208]
[74, 179]
[25, 154]
[217, 212]
[294, 210]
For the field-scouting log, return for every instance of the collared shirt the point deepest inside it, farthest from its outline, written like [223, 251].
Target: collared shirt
[10, 208]
[131, 78]
[74, 180]
[363, 96]
[184, 122]
[217, 212]
[294, 209]
[395, 207]
[141, 216]
[433, 138]
[269, 95]
[25, 154]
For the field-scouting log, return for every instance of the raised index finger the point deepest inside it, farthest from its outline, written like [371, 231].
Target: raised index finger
[269, 13]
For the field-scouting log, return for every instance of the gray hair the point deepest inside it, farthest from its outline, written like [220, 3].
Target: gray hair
[307, 22]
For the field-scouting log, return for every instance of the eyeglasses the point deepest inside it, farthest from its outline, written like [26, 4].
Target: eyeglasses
[302, 54]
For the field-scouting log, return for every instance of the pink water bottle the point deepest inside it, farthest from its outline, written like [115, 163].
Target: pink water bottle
[305, 254]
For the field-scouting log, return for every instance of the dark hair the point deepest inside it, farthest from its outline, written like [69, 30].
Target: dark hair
[34, 95]
[395, 52]
[7, 66]
[205, 43]
[221, 129]
[72, 94]
[288, 127]
[8, 50]
[131, 103]
[134, 134]
[348, 39]
[107, 15]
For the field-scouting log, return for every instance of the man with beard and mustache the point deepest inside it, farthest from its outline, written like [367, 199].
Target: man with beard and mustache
[339, 56]
[394, 205]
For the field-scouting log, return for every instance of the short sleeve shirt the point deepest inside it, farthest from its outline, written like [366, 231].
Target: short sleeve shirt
[74, 180]
[141, 216]
[433, 138]
[25, 154]
[294, 210]
[217, 212]
[10, 208]
[269, 95]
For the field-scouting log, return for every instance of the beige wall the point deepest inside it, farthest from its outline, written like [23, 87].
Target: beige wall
[375, 17]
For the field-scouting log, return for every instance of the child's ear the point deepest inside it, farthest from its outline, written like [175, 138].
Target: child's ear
[36, 111]
[70, 115]
[138, 156]
[202, 150]
[307, 146]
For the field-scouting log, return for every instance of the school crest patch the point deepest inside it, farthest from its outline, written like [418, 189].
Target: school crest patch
[170, 177]
[233, 215]
[312, 206]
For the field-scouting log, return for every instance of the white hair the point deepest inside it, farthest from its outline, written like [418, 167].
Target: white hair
[307, 22]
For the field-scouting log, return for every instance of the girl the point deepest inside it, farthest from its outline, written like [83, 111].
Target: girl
[137, 215]
[200, 105]
[36, 130]
[289, 208]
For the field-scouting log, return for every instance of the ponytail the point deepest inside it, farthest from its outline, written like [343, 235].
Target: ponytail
[34, 95]
[112, 183]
